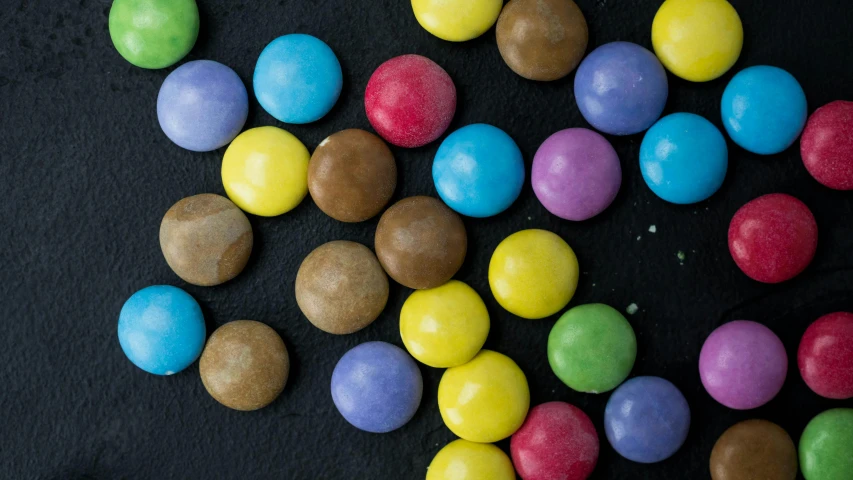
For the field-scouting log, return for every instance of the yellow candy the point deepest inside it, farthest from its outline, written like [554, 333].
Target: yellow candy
[533, 273]
[444, 326]
[484, 400]
[265, 171]
[457, 20]
[464, 460]
[697, 40]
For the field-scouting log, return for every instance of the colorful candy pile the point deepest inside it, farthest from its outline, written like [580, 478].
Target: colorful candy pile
[421, 242]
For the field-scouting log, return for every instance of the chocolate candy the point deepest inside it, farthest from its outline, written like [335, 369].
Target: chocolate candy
[754, 449]
[154, 33]
[825, 446]
[825, 356]
[827, 145]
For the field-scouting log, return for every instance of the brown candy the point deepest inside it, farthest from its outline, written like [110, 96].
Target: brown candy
[206, 239]
[420, 242]
[352, 175]
[244, 365]
[341, 287]
[754, 450]
[542, 39]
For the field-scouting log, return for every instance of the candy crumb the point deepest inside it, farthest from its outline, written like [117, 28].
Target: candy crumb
[639, 237]
[681, 256]
[632, 309]
[653, 229]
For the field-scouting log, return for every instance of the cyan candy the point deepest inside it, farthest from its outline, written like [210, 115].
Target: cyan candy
[684, 158]
[161, 329]
[478, 170]
[202, 105]
[298, 78]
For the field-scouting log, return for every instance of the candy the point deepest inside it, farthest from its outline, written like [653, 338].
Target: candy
[825, 356]
[202, 105]
[764, 109]
[533, 273]
[206, 239]
[410, 100]
[297, 78]
[352, 175]
[542, 39]
[341, 287]
[444, 326]
[153, 33]
[697, 40]
[576, 174]
[684, 158]
[457, 20]
[377, 387]
[825, 446]
[478, 170]
[754, 449]
[827, 145]
[244, 365]
[743, 364]
[646, 419]
[621, 88]
[484, 400]
[464, 460]
[265, 171]
[592, 348]
[161, 329]
[557, 440]
[420, 242]
[773, 238]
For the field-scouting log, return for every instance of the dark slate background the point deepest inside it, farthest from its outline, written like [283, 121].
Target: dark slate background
[86, 175]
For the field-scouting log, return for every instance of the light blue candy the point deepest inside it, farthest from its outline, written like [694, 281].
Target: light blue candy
[764, 109]
[478, 170]
[297, 78]
[161, 329]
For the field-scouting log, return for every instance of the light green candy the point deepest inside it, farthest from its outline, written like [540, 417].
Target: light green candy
[154, 33]
[826, 447]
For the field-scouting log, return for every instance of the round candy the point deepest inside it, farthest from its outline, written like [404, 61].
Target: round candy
[533, 273]
[478, 170]
[420, 242]
[297, 78]
[773, 238]
[697, 40]
[646, 419]
[754, 449]
[827, 145]
[557, 440]
[153, 33]
[764, 109]
[377, 387]
[576, 174]
[206, 239]
[684, 158]
[341, 287]
[161, 329]
[457, 20]
[825, 446]
[825, 356]
[244, 365]
[265, 171]
[621, 88]
[410, 100]
[592, 348]
[444, 326]
[464, 460]
[743, 364]
[352, 175]
[202, 105]
[542, 39]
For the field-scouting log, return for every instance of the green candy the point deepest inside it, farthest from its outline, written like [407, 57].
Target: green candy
[592, 348]
[154, 33]
[826, 447]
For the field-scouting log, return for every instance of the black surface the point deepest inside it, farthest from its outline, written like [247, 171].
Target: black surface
[86, 175]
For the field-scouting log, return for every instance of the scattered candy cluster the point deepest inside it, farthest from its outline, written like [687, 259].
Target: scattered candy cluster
[420, 242]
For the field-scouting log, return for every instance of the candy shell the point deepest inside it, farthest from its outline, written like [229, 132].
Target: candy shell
[457, 20]
[825, 446]
[464, 460]
[827, 145]
[825, 356]
[153, 33]
[754, 449]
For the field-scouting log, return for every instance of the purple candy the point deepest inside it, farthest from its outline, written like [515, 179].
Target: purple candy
[202, 105]
[621, 88]
[743, 364]
[576, 174]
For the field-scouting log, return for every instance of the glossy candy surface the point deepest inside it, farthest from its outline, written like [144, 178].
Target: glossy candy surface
[457, 20]
[153, 33]
[827, 145]
[825, 446]
[754, 449]
[464, 460]
[825, 356]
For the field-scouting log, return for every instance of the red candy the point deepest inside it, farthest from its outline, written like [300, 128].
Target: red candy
[773, 238]
[557, 441]
[827, 145]
[410, 100]
[825, 356]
